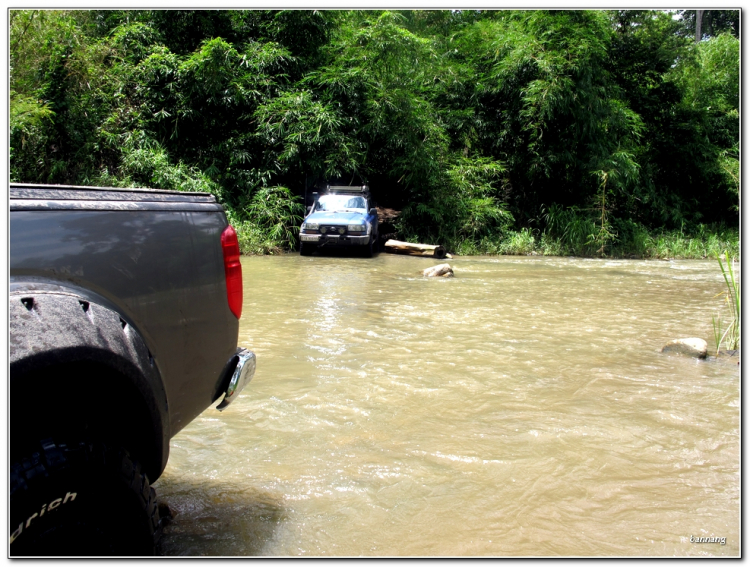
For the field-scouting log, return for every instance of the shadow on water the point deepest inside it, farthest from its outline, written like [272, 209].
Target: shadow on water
[218, 519]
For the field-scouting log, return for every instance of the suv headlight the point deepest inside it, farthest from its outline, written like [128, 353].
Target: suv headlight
[356, 228]
[309, 226]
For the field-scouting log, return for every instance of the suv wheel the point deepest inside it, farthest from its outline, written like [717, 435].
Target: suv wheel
[81, 499]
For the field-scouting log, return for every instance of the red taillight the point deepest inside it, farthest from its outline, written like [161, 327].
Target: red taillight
[232, 269]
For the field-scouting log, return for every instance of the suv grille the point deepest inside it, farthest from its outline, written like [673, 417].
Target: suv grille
[332, 229]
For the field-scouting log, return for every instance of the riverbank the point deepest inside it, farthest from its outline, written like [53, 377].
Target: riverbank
[703, 243]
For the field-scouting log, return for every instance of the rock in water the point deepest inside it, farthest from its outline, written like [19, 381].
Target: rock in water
[692, 347]
[439, 271]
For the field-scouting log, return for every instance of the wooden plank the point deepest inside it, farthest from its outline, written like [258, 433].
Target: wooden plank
[413, 249]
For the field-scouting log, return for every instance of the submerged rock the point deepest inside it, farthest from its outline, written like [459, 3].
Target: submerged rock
[439, 271]
[691, 347]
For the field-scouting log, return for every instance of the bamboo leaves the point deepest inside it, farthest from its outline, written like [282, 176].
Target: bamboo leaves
[277, 212]
[310, 135]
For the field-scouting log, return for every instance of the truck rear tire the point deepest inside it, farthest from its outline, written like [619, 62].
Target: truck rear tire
[81, 499]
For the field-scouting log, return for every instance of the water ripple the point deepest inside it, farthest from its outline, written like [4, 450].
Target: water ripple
[522, 408]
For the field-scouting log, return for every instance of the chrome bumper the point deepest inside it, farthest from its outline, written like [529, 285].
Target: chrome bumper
[243, 373]
[336, 239]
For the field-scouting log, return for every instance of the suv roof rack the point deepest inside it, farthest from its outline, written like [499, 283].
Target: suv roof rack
[347, 189]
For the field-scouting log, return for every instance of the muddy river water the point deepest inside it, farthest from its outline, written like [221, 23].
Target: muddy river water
[522, 408]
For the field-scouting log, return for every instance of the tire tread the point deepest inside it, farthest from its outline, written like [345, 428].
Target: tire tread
[56, 459]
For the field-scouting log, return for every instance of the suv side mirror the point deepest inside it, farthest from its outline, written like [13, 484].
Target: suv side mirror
[374, 211]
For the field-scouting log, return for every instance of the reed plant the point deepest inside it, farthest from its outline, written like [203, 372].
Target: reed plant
[729, 336]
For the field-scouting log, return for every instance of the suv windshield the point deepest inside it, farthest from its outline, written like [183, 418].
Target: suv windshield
[338, 202]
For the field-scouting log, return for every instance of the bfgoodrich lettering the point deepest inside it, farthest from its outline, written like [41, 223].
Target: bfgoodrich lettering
[69, 497]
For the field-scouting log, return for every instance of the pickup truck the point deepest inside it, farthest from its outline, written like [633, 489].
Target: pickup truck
[124, 309]
[344, 216]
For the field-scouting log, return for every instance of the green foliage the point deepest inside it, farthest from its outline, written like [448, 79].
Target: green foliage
[374, 79]
[27, 113]
[710, 81]
[306, 135]
[678, 161]
[519, 243]
[254, 239]
[133, 41]
[703, 242]
[150, 167]
[619, 171]
[538, 131]
[54, 95]
[28, 117]
[574, 229]
[276, 212]
[463, 210]
[545, 98]
[478, 211]
[714, 22]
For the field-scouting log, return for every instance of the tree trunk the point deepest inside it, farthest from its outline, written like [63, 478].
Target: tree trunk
[398, 247]
[698, 21]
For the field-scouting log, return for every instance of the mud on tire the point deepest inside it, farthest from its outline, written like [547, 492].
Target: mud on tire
[81, 499]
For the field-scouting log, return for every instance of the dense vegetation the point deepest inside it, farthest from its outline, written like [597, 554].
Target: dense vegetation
[557, 132]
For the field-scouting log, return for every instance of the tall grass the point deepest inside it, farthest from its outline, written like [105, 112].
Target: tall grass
[572, 232]
[730, 337]
[704, 242]
[635, 242]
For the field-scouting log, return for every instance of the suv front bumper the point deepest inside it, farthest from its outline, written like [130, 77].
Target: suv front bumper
[335, 239]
